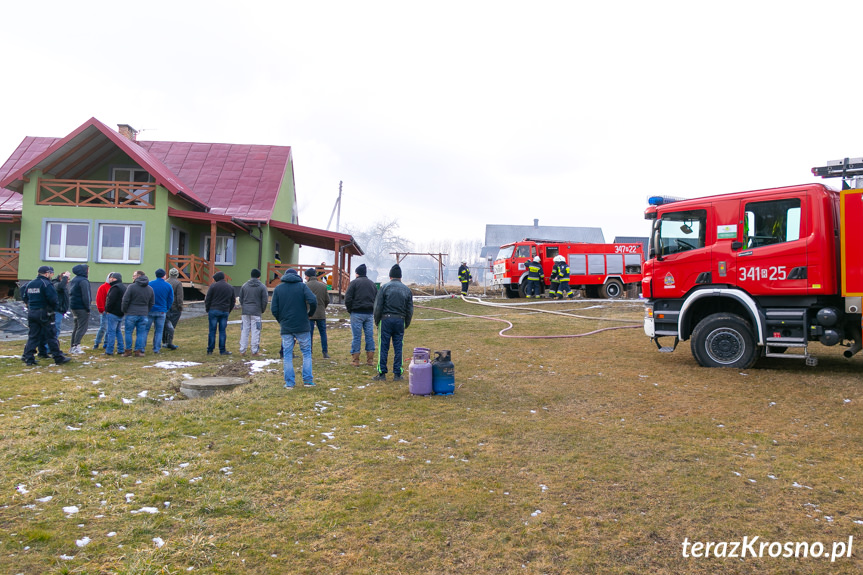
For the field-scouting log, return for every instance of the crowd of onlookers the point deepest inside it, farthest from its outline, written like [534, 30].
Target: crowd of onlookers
[128, 313]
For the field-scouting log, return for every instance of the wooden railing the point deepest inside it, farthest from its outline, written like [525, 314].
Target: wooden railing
[276, 271]
[95, 193]
[9, 264]
[193, 269]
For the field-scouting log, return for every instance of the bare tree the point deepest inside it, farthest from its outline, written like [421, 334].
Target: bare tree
[378, 241]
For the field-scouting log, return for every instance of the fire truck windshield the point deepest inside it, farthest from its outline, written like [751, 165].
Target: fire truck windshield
[505, 252]
[679, 232]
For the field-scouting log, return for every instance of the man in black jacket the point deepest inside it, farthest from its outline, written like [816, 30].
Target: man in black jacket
[79, 304]
[360, 303]
[394, 308]
[219, 303]
[114, 315]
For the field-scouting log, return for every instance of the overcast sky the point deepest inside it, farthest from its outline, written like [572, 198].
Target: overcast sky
[452, 115]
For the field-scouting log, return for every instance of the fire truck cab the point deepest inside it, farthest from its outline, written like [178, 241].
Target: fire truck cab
[601, 270]
[753, 274]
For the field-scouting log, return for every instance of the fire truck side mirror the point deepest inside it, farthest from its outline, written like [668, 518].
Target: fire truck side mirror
[735, 245]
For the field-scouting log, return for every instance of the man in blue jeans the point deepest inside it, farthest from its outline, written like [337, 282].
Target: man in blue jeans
[163, 294]
[394, 308]
[219, 302]
[292, 306]
[137, 303]
[360, 303]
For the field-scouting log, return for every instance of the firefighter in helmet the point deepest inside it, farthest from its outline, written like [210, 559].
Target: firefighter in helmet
[464, 276]
[534, 278]
[560, 279]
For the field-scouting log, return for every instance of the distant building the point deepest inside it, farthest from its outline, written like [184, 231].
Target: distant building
[498, 235]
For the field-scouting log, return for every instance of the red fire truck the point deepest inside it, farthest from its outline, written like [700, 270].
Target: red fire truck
[758, 274]
[601, 270]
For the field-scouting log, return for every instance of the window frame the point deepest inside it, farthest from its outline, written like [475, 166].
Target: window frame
[206, 248]
[46, 239]
[100, 224]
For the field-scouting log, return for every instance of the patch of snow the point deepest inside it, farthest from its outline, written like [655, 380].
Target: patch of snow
[175, 364]
[71, 509]
[145, 510]
[82, 542]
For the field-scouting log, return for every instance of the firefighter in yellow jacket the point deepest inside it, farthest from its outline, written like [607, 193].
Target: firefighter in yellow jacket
[464, 276]
[534, 278]
[559, 279]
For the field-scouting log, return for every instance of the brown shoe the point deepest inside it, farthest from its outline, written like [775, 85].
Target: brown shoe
[370, 358]
[128, 353]
[139, 354]
[355, 359]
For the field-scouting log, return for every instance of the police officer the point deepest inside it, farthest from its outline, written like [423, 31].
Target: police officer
[464, 276]
[41, 300]
[534, 277]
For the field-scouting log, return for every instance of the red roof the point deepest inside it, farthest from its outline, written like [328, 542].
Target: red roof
[241, 181]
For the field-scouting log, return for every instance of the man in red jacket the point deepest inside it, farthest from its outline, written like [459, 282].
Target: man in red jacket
[101, 296]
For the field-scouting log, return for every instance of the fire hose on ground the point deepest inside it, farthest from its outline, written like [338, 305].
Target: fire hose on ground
[502, 333]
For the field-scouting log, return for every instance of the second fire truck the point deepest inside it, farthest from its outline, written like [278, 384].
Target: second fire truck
[601, 270]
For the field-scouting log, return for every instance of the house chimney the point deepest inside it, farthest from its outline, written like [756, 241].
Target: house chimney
[536, 222]
[128, 131]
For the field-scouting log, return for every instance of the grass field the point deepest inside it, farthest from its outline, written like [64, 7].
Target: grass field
[573, 455]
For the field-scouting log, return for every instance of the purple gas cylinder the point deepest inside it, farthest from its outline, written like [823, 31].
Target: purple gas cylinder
[420, 372]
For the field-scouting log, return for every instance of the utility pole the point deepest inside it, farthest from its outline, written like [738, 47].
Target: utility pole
[337, 209]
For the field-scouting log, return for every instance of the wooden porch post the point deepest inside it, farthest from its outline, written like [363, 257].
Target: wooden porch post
[337, 265]
[212, 249]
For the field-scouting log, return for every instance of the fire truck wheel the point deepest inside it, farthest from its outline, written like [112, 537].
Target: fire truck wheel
[510, 291]
[724, 340]
[612, 289]
[522, 289]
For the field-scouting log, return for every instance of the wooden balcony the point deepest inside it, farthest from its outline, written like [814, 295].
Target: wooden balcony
[93, 193]
[9, 264]
[339, 278]
[194, 270]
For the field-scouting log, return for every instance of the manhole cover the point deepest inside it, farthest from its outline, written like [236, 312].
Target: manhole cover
[207, 386]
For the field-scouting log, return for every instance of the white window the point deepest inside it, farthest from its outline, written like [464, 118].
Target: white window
[67, 241]
[120, 243]
[224, 250]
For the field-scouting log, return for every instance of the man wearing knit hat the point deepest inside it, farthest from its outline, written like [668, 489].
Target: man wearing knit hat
[394, 308]
[253, 302]
[163, 299]
[292, 306]
[219, 302]
[173, 315]
[318, 318]
[360, 303]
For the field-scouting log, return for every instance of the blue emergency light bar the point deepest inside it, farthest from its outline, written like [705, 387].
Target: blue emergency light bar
[662, 200]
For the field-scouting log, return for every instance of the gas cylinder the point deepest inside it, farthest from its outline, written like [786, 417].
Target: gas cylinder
[420, 372]
[443, 373]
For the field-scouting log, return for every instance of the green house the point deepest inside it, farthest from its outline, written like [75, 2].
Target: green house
[105, 198]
